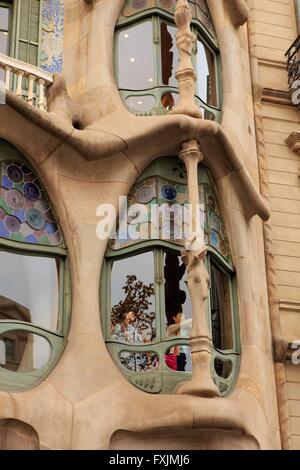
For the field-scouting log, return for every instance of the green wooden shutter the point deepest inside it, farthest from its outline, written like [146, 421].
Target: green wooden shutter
[28, 31]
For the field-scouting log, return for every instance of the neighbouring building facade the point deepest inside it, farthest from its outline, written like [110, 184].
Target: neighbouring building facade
[141, 118]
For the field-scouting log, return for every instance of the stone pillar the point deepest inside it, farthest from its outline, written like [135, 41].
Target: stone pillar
[201, 383]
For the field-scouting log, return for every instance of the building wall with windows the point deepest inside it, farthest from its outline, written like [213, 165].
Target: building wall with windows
[273, 31]
[95, 336]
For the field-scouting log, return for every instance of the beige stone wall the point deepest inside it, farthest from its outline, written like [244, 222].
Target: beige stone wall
[275, 30]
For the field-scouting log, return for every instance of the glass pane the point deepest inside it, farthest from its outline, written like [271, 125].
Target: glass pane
[220, 309]
[178, 305]
[133, 299]
[21, 351]
[206, 77]
[4, 18]
[135, 48]
[169, 100]
[29, 289]
[178, 358]
[223, 368]
[169, 54]
[3, 42]
[139, 362]
[25, 211]
[141, 104]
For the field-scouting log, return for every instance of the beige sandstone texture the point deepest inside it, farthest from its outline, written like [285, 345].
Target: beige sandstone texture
[85, 402]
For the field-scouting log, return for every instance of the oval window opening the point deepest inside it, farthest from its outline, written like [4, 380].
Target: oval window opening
[23, 351]
[141, 362]
[223, 368]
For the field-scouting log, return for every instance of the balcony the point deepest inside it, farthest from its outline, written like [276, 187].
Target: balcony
[25, 80]
[293, 62]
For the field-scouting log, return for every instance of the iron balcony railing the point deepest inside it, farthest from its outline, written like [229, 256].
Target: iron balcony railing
[293, 62]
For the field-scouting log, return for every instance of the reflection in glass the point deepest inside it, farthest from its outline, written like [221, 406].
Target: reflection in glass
[29, 289]
[4, 25]
[169, 100]
[21, 351]
[142, 104]
[220, 309]
[133, 299]
[135, 48]
[206, 76]
[178, 306]
[169, 54]
[178, 358]
[140, 361]
[223, 368]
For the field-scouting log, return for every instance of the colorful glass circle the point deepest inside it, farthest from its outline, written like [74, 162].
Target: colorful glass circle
[31, 191]
[2, 213]
[12, 223]
[15, 174]
[145, 194]
[35, 219]
[169, 192]
[14, 199]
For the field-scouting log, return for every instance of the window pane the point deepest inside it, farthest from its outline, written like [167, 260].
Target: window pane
[135, 48]
[139, 362]
[177, 298]
[141, 104]
[220, 309]
[29, 289]
[21, 351]
[206, 77]
[4, 18]
[3, 42]
[179, 359]
[133, 299]
[169, 54]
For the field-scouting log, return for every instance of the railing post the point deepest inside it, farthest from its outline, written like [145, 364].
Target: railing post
[7, 69]
[31, 79]
[20, 75]
[41, 94]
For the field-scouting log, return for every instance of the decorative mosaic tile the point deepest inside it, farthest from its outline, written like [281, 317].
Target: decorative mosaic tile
[51, 56]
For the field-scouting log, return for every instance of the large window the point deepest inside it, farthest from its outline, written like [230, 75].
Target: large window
[147, 58]
[5, 24]
[20, 29]
[146, 305]
[34, 281]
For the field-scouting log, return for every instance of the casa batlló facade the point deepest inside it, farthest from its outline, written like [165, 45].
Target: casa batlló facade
[149, 224]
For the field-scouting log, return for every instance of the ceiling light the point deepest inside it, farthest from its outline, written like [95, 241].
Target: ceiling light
[150, 79]
[140, 102]
[126, 35]
[132, 59]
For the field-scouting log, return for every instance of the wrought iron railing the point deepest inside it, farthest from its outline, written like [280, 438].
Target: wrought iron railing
[293, 62]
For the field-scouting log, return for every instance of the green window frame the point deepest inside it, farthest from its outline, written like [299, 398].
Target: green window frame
[163, 380]
[57, 338]
[157, 17]
[226, 352]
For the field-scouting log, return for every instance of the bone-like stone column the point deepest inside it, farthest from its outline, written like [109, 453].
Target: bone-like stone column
[201, 383]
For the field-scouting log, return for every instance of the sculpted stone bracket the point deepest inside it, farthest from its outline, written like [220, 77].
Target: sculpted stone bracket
[239, 11]
[293, 142]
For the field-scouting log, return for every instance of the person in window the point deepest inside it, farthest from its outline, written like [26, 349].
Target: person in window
[125, 330]
[176, 359]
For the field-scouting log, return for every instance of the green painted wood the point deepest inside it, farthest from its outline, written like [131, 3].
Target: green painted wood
[27, 33]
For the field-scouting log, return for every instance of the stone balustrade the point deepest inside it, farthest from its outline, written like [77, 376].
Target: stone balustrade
[25, 80]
